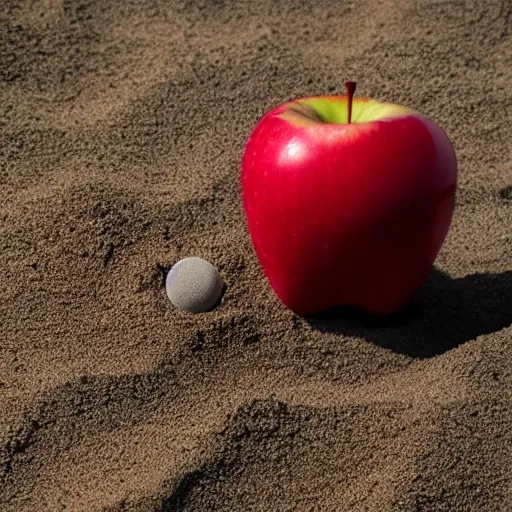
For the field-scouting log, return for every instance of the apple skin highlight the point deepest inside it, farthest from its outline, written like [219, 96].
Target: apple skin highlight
[347, 214]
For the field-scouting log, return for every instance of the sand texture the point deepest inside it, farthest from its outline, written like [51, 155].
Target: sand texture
[122, 126]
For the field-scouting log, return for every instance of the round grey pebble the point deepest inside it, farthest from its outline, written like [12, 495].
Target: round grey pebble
[194, 285]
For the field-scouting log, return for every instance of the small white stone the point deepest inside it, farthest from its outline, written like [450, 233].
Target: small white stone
[194, 285]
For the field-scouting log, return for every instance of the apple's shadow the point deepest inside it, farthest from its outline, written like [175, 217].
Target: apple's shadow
[444, 313]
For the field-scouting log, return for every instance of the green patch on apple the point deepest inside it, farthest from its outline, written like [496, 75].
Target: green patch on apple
[335, 110]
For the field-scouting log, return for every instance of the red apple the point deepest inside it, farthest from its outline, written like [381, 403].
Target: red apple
[347, 201]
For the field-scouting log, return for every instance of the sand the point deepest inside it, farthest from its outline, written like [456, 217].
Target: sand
[122, 126]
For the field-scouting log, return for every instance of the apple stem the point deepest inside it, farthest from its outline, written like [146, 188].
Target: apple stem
[351, 87]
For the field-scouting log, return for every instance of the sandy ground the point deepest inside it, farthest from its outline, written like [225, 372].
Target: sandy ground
[122, 126]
